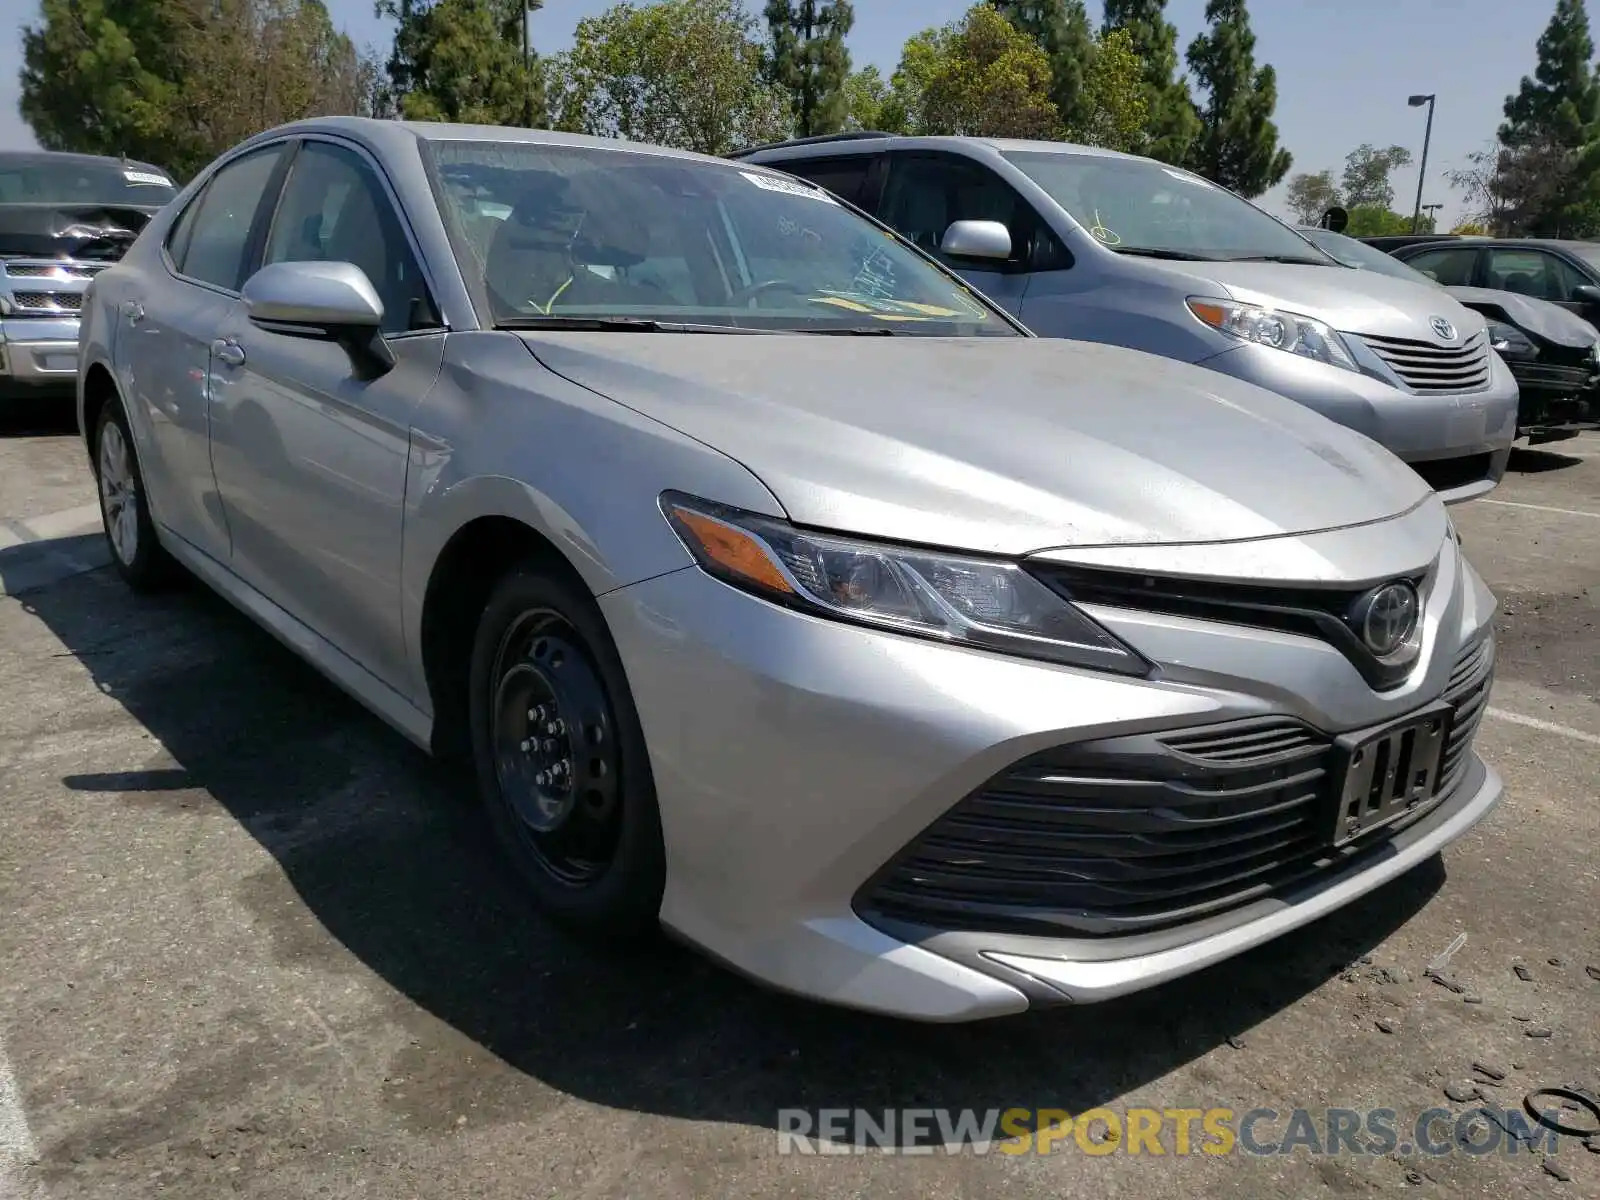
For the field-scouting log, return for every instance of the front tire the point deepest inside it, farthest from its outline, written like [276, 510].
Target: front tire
[561, 759]
[124, 512]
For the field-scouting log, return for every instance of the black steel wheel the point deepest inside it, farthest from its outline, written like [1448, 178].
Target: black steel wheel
[561, 756]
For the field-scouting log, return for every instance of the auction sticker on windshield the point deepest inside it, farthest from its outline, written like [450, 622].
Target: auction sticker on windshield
[148, 177]
[773, 183]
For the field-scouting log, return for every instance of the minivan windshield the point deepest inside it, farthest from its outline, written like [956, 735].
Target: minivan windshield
[1354, 253]
[49, 179]
[584, 234]
[1139, 206]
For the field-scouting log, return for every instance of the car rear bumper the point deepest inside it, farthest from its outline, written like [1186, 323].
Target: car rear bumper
[39, 354]
[798, 760]
[1460, 443]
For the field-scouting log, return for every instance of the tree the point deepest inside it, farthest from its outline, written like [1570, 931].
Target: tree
[1366, 176]
[1114, 109]
[1552, 125]
[920, 58]
[866, 100]
[1061, 29]
[990, 80]
[1309, 196]
[684, 73]
[1238, 142]
[462, 60]
[176, 82]
[809, 61]
[1171, 124]
[1373, 220]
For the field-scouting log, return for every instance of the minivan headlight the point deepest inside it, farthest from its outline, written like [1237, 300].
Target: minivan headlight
[982, 603]
[1297, 334]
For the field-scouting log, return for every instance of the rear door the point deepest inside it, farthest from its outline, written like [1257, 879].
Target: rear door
[167, 325]
[1450, 265]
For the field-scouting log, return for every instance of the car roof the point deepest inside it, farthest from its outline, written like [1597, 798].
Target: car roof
[46, 157]
[870, 143]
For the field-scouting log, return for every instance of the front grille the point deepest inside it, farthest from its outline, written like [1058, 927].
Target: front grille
[1425, 367]
[1130, 834]
[1550, 375]
[47, 301]
[50, 270]
[1445, 474]
[1321, 613]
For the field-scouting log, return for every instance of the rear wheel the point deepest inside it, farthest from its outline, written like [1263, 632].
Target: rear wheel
[561, 757]
[124, 514]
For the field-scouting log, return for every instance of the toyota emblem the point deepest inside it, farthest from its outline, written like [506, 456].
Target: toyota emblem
[1386, 618]
[1445, 330]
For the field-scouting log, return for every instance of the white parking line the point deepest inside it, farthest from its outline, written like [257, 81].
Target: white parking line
[1566, 512]
[66, 523]
[16, 1140]
[1565, 731]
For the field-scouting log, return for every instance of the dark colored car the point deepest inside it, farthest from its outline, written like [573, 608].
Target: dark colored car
[1553, 353]
[64, 218]
[1563, 272]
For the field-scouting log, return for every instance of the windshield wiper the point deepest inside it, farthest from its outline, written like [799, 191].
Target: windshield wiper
[857, 331]
[1160, 252]
[1297, 259]
[615, 325]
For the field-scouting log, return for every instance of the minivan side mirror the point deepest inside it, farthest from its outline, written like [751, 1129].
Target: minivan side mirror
[1587, 292]
[329, 300]
[977, 239]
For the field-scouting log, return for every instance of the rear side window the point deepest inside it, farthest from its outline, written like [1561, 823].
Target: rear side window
[212, 238]
[1453, 268]
[846, 178]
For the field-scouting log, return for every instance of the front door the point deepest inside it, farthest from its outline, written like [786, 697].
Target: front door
[310, 455]
[927, 193]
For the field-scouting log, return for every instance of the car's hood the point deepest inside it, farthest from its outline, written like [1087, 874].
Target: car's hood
[998, 445]
[85, 231]
[1350, 301]
[1538, 317]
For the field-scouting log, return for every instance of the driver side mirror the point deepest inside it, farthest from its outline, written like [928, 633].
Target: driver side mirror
[326, 300]
[977, 239]
[1587, 292]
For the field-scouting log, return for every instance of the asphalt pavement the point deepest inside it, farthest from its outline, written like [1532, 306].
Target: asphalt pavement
[253, 943]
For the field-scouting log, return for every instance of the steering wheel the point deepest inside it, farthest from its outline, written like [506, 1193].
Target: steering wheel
[751, 291]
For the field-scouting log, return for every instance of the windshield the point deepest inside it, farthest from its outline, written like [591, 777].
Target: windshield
[583, 233]
[1135, 205]
[1358, 254]
[42, 180]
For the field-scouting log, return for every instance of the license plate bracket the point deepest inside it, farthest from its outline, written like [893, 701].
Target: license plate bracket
[1388, 772]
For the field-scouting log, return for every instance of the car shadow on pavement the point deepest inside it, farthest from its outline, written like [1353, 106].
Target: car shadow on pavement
[32, 416]
[1533, 460]
[387, 851]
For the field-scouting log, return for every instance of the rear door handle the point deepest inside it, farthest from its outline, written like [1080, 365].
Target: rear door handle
[134, 311]
[228, 352]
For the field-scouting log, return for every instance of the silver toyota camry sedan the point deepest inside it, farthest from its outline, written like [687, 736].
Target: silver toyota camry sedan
[779, 588]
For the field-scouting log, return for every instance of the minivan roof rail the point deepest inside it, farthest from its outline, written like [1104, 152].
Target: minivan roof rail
[855, 135]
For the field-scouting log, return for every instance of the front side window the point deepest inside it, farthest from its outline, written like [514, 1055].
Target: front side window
[925, 196]
[844, 177]
[1137, 206]
[211, 246]
[334, 210]
[551, 231]
[1453, 268]
[1532, 273]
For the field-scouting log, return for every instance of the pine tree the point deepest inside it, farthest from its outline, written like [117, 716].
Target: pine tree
[1172, 123]
[1554, 119]
[1238, 142]
[808, 60]
[1061, 28]
[463, 60]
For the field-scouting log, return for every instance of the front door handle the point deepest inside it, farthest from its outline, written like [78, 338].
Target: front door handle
[134, 311]
[228, 352]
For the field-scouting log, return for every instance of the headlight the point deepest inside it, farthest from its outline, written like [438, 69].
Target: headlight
[1508, 339]
[1305, 336]
[983, 603]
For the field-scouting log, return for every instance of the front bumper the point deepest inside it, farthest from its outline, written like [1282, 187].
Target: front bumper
[1460, 443]
[795, 758]
[39, 353]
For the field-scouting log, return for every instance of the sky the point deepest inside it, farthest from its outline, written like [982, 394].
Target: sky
[1345, 68]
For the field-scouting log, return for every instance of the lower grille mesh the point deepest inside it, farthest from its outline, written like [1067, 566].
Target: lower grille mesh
[1137, 833]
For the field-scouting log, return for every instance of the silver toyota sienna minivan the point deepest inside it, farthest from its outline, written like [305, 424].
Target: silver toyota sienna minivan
[1089, 244]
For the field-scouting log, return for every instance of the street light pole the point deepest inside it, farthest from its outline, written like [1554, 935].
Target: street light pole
[1422, 168]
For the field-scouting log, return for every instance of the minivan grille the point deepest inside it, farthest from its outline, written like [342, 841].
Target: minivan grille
[48, 301]
[1425, 367]
[1136, 833]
